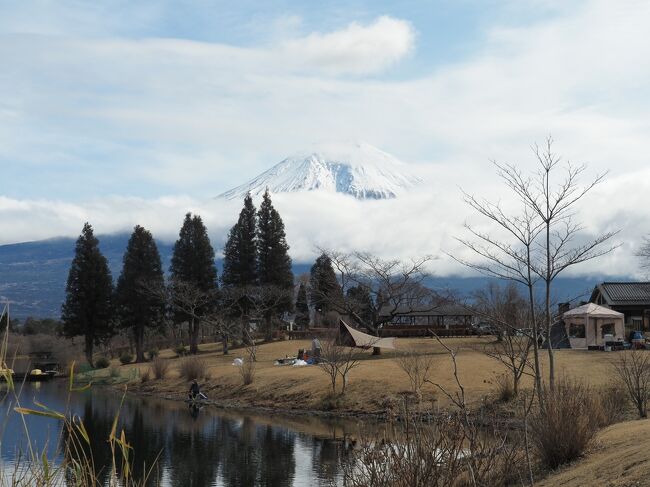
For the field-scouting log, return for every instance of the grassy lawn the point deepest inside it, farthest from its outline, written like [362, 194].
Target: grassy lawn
[377, 381]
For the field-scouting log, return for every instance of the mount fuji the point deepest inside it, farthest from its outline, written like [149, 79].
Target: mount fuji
[357, 169]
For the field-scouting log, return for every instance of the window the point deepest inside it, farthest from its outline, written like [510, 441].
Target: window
[607, 329]
[403, 320]
[637, 323]
[576, 330]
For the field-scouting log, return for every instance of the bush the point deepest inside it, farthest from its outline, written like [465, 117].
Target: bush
[444, 452]
[331, 401]
[126, 358]
[145, 375]
[563, 426]
[153, 353]
[193, 368]
[247, 371]
[114, 371]
[633, 370]
[159, 367]
[102, 363]
[613, 404]
[417, 366]
[181, 350]
[504, 387]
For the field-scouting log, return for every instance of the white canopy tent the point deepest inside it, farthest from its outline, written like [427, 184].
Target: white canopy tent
[587, 325]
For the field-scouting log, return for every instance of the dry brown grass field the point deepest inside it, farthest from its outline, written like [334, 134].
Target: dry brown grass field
[376, 383]
[618, 459]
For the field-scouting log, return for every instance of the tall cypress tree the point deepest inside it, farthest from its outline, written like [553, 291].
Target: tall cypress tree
[193, 266]
[87, 307]
[137, 307]
[302, 307]
[240, 265]
[274, 263]
[240, 251]
[324, 290]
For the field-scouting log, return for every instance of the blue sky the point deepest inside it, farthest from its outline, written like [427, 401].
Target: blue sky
[134, 112]
[74, 151]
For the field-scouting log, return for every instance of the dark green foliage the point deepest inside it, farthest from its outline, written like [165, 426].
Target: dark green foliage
[325, 292]
[240, 251]
[137, 300]
[193, 257]
[274, 263]
[240, 265]
[360, 304]
[102, 363]
[302, 308]
[193, 266]
[126, 358]
[45, 326]
[14, 324]
[87, 307]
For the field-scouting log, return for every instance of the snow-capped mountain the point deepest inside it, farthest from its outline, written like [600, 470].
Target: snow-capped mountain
[357, 169]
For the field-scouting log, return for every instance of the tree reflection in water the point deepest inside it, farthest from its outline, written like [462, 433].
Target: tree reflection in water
[209, 448]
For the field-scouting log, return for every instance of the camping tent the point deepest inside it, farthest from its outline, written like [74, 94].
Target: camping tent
[587, 325]
[354, 338]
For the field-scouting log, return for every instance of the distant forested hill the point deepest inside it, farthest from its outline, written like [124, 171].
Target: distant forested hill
[33, 274]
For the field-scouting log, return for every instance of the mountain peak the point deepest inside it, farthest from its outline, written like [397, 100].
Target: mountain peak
[357, 169]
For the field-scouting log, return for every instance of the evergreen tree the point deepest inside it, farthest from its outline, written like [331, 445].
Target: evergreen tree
[273, 261]
[193, 268]
[240, 265]
[360, 304]
[6, 321]
[324, 290]
[240, 251]
[137, 307]
[87, 307]
[302, 307]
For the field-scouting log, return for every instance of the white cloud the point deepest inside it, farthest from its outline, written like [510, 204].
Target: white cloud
[197, 118]
[357, 49]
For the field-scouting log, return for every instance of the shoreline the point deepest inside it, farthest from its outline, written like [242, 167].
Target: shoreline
[233, 405]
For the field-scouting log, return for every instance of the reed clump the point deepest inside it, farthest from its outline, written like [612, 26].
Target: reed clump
[159, 368]
[192, 368]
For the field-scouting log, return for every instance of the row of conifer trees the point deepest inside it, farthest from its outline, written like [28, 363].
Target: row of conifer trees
[256, 254]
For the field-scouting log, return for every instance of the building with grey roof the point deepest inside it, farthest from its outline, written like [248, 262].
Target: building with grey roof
[630, 298]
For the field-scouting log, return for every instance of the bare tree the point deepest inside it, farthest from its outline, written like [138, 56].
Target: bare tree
[251, 302]
[547, 234]
[420, 454]
[394, 287]
[338, 360]
[512, 262]
[330, 361]
[490, 452]
[644, 253]
[248, 366]
[507, 310]
[417, 366]
[189, 300]
[633, 370]
[392, 284]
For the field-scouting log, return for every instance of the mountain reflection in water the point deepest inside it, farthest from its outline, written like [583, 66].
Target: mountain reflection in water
[193, 448]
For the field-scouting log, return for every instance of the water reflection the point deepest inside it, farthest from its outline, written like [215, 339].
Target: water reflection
[190, 447]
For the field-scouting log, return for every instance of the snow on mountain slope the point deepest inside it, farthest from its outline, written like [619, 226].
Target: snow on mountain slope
[358, 169]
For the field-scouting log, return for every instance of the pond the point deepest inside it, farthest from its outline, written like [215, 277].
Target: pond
[206, 447]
